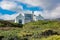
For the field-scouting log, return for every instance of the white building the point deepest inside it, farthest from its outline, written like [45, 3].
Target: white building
[27, 17]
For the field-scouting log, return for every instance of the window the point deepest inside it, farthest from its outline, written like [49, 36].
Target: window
[28, 16]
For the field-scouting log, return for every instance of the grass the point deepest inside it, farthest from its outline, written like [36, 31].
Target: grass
[33, 31]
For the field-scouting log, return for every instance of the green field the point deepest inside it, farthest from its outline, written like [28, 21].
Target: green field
[35, 30]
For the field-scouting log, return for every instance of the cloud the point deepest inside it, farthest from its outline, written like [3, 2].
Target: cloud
[50, 7]
[10, 5]
[56, 12]
[32, 2]
[8, 17]
[13, 16]
[46, 4]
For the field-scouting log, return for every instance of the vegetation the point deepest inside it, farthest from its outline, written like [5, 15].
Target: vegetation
[39, 30]
[9, 24]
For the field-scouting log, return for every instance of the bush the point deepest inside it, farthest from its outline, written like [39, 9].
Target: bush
[17, 25]
[48, 33]
[10, 24]
[2, 25]
[32, 31]
[54, 37]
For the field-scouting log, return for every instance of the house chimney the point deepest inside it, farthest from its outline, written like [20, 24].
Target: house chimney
[32, 15]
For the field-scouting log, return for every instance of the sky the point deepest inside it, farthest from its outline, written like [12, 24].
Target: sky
[49, 9]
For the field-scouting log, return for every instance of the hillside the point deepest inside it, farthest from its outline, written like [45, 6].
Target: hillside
[9, 24]
[39, 30]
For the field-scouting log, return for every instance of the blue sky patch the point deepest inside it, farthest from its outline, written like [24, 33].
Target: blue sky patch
[6, 11]
[0, 0]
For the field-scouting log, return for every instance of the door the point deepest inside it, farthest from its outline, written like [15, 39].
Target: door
[20, 21]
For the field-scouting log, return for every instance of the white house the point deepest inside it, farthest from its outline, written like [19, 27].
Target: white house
[27, 17]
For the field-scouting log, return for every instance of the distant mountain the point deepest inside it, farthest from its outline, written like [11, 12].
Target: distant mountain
[58, 19]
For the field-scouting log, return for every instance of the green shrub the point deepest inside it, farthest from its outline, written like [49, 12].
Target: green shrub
[17, 25]
[32, 30]
[2, 25]
[9, 24]
[54, 37]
